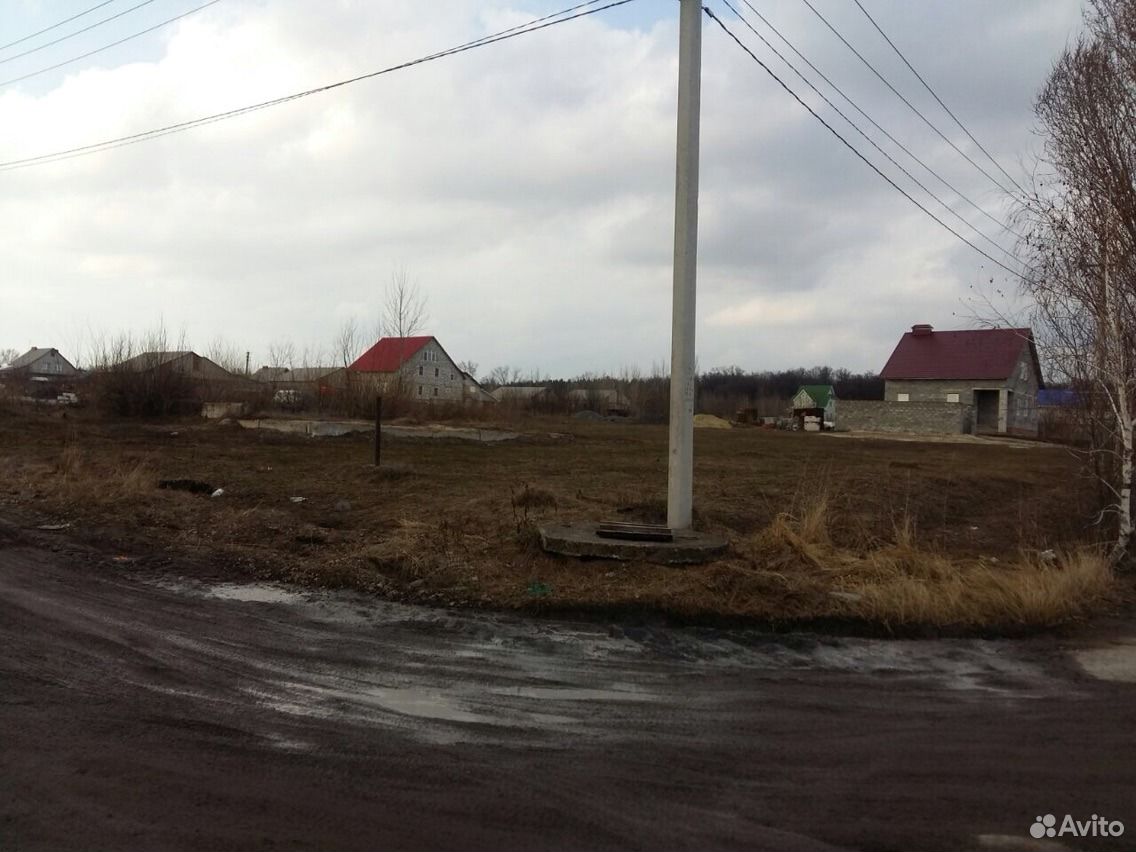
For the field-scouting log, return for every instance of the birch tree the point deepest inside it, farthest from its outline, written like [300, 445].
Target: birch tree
[1080, 244]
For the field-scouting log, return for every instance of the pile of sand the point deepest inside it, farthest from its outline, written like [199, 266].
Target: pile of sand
[709, 421]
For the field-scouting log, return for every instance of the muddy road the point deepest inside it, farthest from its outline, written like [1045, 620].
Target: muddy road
[147, 710]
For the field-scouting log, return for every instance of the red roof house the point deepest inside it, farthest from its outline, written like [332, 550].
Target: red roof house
[417, 368]
[996, 371]
[389, 354]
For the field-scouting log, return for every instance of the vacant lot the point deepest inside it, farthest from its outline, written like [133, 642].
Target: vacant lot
[898, 534]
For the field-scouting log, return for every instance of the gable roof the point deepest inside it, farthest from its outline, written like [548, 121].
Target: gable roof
[389, 354]
[149, 360]
[820, 394]
[293, 374]
[985, 353]
[35, 354]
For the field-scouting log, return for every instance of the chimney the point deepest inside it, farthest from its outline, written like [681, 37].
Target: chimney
[921, 330]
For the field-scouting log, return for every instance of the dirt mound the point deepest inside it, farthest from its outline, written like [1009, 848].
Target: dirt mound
[709, 421]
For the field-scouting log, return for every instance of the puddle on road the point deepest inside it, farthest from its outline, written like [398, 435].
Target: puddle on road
[254, 593]
[1116, 663]
[556, 693]
[424, 705]
[403, 701]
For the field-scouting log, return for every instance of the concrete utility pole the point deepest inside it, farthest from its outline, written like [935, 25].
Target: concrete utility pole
[680, 471]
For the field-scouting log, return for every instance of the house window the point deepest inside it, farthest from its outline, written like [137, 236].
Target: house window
[420, 371]
[435, 372]
[903, 397]
[435, 391]
[451, 377]
[420, 390]
[952, 397]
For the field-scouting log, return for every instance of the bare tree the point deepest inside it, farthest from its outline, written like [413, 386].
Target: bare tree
[469, 367]
[1080, 243]
[348, 342]
[404, 315]
[7, 356]
[227, 355]
[282, 355]
[404, 306]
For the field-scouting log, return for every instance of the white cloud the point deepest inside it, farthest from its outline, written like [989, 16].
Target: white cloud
[527, 185]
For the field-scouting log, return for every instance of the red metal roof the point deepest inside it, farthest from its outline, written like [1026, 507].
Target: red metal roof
[389, 354]
[989, 353]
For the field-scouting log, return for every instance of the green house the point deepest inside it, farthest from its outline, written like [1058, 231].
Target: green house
[815, 401]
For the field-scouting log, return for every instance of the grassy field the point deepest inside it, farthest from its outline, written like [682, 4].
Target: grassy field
[896, 534]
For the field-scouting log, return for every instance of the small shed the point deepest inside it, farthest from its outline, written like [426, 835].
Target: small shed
[814, 407]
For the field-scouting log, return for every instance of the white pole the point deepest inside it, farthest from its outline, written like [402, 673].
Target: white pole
[680, 472]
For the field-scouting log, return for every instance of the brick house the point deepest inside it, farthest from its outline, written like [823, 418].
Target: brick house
[428, 373]
[994, 371]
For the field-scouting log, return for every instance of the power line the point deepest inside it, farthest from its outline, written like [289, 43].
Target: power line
[109, 46]
[876, 125]
[850, 146]
[910, 105]
[927, 86]
[48, 44]
[53, 26]
[560, 17]
[868, 138]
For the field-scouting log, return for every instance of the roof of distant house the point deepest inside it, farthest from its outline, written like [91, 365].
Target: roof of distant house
[1062, 397]
[518, 391]
[293, 374]
[987, 353]
[819, 394]
[33, 355]
[150, 360]
[389, 354]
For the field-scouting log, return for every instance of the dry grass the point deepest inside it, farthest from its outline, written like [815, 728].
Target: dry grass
[901, 583]
[901, 535]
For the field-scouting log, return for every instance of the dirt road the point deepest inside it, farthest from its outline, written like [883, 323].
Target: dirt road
[147, 710]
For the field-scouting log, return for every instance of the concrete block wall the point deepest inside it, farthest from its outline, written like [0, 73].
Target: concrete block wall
[928, 418]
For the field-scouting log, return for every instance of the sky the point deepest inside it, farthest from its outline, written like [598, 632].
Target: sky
[526, 187]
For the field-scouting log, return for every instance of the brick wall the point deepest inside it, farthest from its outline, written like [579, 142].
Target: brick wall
[918, 417]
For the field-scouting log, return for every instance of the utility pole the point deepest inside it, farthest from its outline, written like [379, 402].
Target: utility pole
[680, 469]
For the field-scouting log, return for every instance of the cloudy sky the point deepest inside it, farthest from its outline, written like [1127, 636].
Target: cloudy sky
[526, 186]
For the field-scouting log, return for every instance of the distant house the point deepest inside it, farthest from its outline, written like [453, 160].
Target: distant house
[473, 392]
[814, 401]
[995, 371]
[417, 366]
[182, 362]
[43, 363]
[1058, 398]
[519, 394]
[293, 377]
[606, 401]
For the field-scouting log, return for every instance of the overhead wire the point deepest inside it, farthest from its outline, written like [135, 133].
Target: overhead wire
[74, 17]
[868, 138]
[942, 180]
[88, 28]
[580, 10]
[89, 53]
[850, 146]
[907, 102]
[935, 95]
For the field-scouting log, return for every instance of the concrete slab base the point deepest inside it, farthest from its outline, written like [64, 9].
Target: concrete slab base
[688, 547]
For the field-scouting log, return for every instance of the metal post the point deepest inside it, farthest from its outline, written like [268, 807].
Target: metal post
[680, 471]
[378, 427]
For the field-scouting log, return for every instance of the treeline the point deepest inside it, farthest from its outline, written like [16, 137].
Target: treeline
[722, 391]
